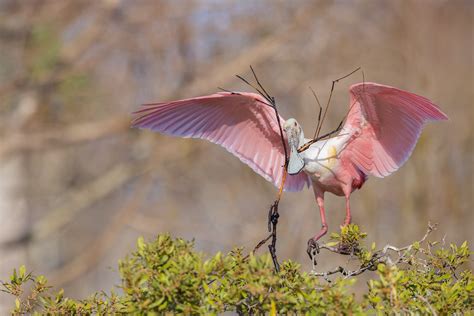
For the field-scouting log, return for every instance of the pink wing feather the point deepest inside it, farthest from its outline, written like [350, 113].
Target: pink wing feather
[242, 123]
[385, 124]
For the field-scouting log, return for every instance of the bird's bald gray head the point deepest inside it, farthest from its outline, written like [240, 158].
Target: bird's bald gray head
[291, 125]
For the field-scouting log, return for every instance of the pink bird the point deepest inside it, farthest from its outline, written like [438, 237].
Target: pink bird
[379, 134]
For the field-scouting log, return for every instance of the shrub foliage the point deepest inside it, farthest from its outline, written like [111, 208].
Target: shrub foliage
[167, 275]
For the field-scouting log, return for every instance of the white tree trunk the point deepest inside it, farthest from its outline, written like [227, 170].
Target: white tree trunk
[13, 222]
[14, 214]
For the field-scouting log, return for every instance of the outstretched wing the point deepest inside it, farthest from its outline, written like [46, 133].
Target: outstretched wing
[384, 123]
[242, 123]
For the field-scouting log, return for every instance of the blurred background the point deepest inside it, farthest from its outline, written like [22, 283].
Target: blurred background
[78, 186]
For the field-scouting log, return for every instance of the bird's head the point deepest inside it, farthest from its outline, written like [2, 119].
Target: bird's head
[295, 136]
[294, 132]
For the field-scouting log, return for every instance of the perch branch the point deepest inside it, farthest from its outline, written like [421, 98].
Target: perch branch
[380, 256]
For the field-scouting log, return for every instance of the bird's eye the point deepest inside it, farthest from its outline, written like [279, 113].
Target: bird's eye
[295, 124]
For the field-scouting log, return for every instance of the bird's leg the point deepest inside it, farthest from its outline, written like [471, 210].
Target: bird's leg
[344, 248]
[347, 219]
[324, 225]
[313, 247]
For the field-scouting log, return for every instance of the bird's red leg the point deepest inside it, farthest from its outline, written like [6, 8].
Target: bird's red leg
[322, 213]
[312, 242]
[347, 220]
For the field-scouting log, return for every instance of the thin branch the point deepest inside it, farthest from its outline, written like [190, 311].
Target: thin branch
[430, 229]
[346, 273]
[316, 136]
[273, 212]
[327, 135]
[255, 88]
[380, 256]
[319, 114]
[270, 98]
[432, 310]
[330, 96]
[261, 90]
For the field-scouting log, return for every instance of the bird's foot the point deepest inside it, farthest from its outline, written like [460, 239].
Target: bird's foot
[313, 246]
[312, 250]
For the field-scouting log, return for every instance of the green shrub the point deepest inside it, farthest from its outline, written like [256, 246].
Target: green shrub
[167, 275]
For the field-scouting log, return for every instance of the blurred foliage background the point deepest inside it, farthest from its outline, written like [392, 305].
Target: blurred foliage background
[78, 186]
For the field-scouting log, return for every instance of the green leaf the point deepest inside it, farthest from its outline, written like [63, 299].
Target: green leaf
[416, 245]
[22, 271]
[141, 244]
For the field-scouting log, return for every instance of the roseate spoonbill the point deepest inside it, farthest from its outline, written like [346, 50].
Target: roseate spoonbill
[379, 134]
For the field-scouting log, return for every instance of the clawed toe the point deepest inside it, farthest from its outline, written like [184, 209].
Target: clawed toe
[313, 248]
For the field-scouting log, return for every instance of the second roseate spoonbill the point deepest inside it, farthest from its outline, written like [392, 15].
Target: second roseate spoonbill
[379, 134]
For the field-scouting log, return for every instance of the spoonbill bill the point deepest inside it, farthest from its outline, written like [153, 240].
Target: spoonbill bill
[379, 134]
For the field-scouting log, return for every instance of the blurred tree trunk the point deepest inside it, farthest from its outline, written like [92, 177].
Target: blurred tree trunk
[14, 219]
[14, 213]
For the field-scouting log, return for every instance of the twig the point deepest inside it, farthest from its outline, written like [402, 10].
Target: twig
[273, 212]
[316, 136]
[330, 96]
[320, 112]
[340, 269]
[306, 145]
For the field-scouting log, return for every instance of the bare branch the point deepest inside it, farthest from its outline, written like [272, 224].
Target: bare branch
[379, 256]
